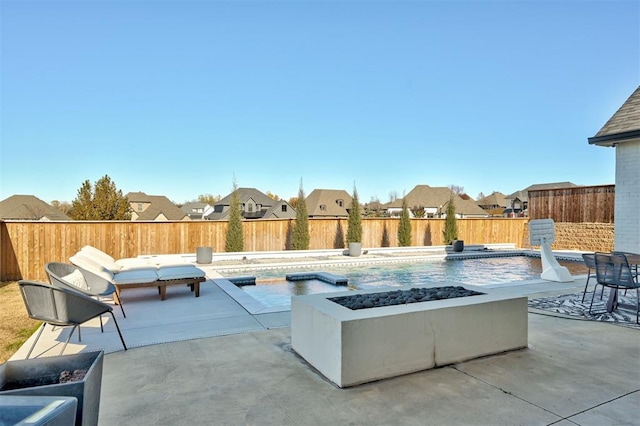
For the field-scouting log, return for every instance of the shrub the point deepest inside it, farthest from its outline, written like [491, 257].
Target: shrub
[404, 229]
[354, 230]
[450, 232]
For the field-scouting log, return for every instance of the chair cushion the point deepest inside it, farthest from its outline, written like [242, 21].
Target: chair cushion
[179, 272]
[105, 261]
[76, 279]
[135, 276]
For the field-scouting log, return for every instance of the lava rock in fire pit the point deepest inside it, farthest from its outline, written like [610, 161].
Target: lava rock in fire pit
[402, 297]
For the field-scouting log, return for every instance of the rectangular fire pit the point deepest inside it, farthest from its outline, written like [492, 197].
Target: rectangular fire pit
[351, 347]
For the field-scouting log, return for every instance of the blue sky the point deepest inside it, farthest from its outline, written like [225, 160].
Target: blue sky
[179, 98]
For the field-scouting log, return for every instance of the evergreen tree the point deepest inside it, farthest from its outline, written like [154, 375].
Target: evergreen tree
[103, 201]
[354, 230]
[450, 232]
[301, 237]
[234, 240]
[404, 228]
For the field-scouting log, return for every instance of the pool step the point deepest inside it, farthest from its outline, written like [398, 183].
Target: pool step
[321, 276]
[240, 281]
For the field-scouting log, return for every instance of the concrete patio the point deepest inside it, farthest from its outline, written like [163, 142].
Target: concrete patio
[210, 361]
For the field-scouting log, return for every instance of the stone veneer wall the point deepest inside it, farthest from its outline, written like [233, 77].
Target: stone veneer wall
[589, 237]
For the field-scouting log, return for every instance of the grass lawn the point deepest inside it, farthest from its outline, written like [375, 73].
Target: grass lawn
[15, 325]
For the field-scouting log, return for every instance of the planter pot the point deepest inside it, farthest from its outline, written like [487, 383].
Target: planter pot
[41, 377]
[458, 245]
[355, 249]
[204, 255]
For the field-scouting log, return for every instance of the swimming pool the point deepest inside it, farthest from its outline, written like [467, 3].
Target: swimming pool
[273, 290]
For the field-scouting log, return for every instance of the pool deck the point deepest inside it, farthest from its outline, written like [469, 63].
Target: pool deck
[210, 361]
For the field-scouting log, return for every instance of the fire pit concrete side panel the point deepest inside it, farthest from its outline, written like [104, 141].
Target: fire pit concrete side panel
[353, 347]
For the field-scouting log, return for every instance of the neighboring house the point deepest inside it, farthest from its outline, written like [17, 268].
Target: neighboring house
[434, 201]
[154, 208]
[518, 202]
[253, 205]
[494, 204]
[622, 132]
[29, 207]
[196, 210]
[328, 203]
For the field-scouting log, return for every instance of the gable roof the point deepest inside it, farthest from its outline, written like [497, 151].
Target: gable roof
[495, 199]
[194, 209]
[275, 212]
[437, 197]
[329, 199]
[623, 126]
[159, 206]
[523, 194]
[29, 207]
[244, 194]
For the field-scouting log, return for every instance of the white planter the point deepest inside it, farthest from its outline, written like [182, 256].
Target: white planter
[355, 249]
[204, 255]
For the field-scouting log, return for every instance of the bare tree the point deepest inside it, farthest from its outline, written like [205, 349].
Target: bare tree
[456, 189]
[393, 196]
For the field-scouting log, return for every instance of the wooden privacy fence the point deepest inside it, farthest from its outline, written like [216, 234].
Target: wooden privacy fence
[26, 246]
[582, 204]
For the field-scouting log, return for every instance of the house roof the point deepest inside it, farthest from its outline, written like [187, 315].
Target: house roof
[523, 194]
[245, 194]
[495, 199]
[437, 197]
[194, 209]
[29, 207]
[623, 126]
[158, 205]
[329, 199]
[275, 212]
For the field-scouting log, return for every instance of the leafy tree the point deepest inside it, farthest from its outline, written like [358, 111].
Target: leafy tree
[103, 201]
[450, 232]
[404, 228]
[301, 237]
[234, 240]
[354, 228]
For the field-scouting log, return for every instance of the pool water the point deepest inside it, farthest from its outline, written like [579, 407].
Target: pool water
[272, 289]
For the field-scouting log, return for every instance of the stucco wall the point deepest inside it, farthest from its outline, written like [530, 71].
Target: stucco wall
[627, 204]
[589, 237]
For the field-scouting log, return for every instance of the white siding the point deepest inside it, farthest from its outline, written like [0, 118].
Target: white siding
[627, 204]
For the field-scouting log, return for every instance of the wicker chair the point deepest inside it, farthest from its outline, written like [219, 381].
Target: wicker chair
[613, 271]
[590, 261]
[94, 285]
[61, 307]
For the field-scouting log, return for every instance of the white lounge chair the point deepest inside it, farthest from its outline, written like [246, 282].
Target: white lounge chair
[136, 273]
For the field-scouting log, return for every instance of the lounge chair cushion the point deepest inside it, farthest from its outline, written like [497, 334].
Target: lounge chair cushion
[100, 258]
[135, 276]
[76, 279]
[179, 272]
